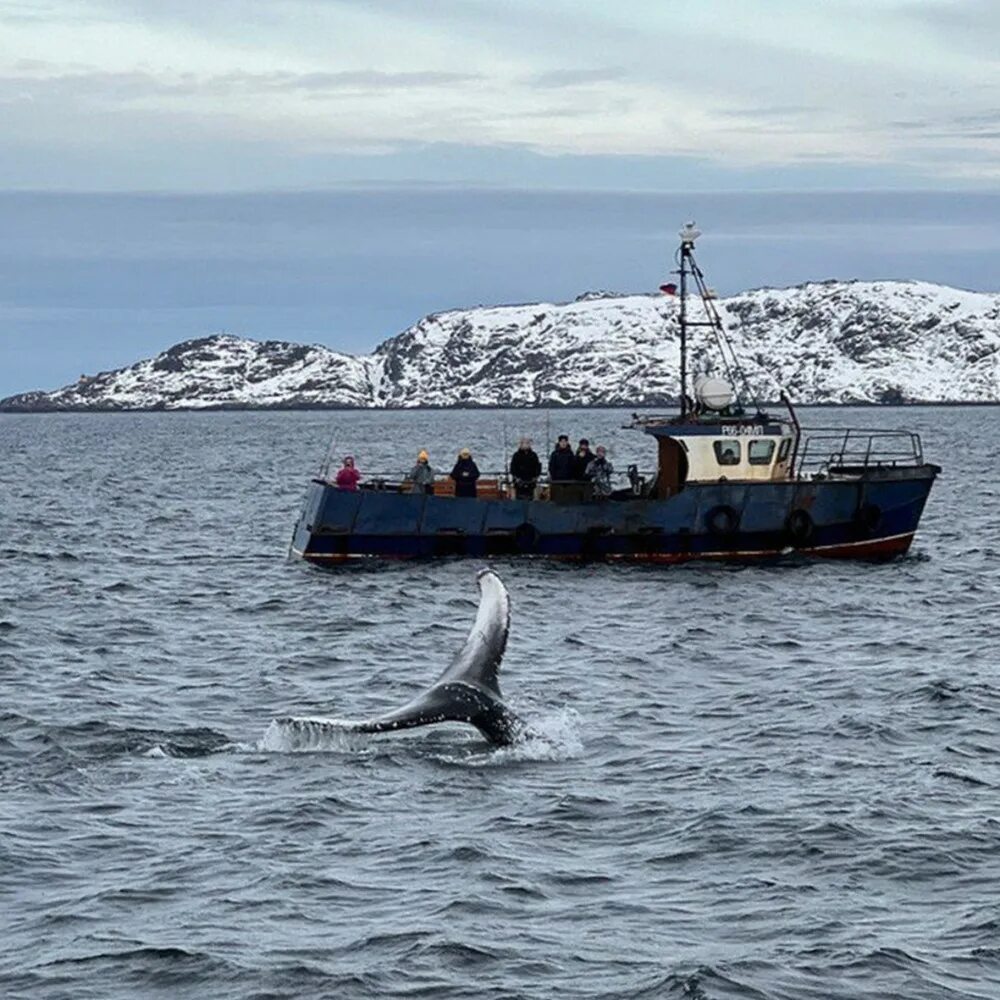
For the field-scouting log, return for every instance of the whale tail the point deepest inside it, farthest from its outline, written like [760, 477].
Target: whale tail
[469, 688]
[467, 691]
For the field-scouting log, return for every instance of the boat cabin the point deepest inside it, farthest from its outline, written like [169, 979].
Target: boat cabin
[716, 452]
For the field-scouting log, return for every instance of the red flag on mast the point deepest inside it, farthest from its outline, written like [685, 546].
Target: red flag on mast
[669, 289]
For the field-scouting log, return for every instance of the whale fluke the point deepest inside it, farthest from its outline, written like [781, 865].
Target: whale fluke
[469, 689]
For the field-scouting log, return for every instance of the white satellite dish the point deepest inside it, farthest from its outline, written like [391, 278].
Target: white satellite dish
[712, 393]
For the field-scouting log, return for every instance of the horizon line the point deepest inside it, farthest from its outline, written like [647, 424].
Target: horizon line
[360, 185]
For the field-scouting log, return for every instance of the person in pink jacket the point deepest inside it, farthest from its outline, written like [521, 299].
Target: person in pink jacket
[348, 476]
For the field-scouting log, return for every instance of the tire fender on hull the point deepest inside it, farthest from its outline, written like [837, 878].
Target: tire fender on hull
[868, 519]
[722, 520]
[800, 527]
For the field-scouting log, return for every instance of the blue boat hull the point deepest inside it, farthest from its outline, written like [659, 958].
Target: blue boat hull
[873, 517]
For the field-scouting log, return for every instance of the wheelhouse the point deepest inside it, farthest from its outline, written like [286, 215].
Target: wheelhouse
[742, 452]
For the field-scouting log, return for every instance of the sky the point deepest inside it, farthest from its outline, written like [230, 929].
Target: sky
[464, 123]
[237, 94]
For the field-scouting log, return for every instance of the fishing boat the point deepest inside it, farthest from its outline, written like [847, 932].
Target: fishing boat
[728, 481]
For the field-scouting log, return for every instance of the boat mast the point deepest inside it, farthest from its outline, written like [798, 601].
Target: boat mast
[684, 394]
[688, 235]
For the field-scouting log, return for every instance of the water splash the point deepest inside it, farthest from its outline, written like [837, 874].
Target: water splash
[553, 737]
[312, 735]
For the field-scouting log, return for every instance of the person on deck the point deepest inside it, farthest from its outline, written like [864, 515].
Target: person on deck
[348, 475]
[465, 474]
[584, 456]
[599, 472]
[729, 455]
[562, 464]
[525, 467]
[422, 475]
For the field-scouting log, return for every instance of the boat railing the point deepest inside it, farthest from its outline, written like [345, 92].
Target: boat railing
[395, 482]
[832, 450]
[502, 484]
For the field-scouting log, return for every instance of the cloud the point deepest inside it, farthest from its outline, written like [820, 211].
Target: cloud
[714, 81]
[25, 13]
[971, 27]
[345, 80]
[954, 15]
[559, 78]
[28, 14]
[140, 84]
[774, 111]
[991, 117]
[980, 126]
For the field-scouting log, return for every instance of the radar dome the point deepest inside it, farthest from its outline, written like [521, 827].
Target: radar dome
[712, 393]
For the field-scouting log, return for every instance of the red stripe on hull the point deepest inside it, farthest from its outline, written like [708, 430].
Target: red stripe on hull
[877, 548]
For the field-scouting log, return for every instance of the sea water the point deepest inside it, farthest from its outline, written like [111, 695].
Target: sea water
[774, 781]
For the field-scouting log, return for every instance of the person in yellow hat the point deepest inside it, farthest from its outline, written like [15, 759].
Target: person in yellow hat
[465, 474]
[422, 475]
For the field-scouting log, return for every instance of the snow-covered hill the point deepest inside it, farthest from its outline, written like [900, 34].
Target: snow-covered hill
[823, 342]
[215, 372]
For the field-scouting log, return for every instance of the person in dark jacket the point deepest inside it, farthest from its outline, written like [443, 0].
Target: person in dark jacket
[525, 467]
[562, 464]
[465, 474]
[584, 456]
[599, 472]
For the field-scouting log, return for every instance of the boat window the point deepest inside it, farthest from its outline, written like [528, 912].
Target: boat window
[727, 452]
[786, 447]
[760, 452]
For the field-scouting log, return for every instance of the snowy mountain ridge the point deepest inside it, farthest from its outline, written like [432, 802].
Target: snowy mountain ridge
[822, 342]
